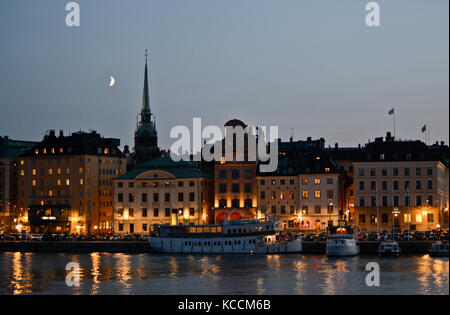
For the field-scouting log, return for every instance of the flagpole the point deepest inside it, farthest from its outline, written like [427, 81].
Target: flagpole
[394, 123]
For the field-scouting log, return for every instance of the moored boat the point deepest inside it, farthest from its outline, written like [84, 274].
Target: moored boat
[389, 248]
[341, 240]
[439, 249]
[232, 237]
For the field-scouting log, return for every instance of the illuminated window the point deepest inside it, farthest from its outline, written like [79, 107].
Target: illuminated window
[305, 181]
[33, 171]
[34, 182]
[106, 151]
[407, 218]
[61, 150]
[305, 194]
[274, 195]
[282, 195]
[36, 151]
[58, 182]
[292, 195]
[59, 171]
[81, 181]
[22, 172]
[68, 171]
[50, 193]
[327, 169]
[67, 182]
[317, 181]
[50, 171]
[317, 194]
[418, 218]
[53, 150]
[22, 162]
[44, 150]
[80, 171]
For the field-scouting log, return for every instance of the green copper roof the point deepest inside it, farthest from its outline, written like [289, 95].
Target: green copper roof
[181, 169]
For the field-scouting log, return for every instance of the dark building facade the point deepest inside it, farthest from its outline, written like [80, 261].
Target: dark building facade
[65, 183]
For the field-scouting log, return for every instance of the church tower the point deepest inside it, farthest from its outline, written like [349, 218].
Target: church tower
[146, 137]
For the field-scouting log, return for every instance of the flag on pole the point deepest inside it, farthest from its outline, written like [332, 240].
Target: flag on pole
[391, 112]
[424, 128]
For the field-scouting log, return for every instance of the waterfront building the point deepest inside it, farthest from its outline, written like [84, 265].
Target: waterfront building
[305, 192]
[65, 183]
[235, 185]
[343, 157]
[145, 136]
[162, 191]
[402, 184]
[10, 150]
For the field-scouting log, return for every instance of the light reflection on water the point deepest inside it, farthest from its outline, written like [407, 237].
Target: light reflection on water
[103, 273]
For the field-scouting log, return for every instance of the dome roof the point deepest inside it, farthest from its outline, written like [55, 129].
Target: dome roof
[235, 122]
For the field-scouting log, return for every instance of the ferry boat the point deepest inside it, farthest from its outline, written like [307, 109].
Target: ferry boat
[341, 240]
[389, 248]
[232, 237]
[439, 249]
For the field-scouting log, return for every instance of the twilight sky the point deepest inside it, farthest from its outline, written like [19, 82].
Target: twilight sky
[309, 65]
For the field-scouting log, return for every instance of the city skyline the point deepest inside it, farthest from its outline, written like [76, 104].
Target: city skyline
[65, 71]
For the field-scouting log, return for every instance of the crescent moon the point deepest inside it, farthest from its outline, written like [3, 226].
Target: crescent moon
[112, 81]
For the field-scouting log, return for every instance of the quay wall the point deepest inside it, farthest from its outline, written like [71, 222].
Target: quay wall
[408, 247]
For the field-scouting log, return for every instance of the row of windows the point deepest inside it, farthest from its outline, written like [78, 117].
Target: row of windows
[235, 174]
[236, 203]
[304, 181]
[318, 209]
[395, 171]
[235, 188]
[396, 184]
[273, 195]
[396, 201]
[156, 184]
[282, 209]
[144, 197]
[419, 218]
[69, 150]
[145, 212]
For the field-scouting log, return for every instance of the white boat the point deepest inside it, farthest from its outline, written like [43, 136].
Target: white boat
[389, 248]
[439, 249]
[232, 237]
[341, 241]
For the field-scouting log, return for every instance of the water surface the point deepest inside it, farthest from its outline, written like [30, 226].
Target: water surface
[103, 273]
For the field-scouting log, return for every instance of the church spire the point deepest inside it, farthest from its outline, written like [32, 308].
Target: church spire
[146, 113]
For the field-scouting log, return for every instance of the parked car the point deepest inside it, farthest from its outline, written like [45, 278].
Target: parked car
[36, 237]
[384, 236]
[310, 237]
[419, 236]
[407, 235]
[322, 237]
[372, 236]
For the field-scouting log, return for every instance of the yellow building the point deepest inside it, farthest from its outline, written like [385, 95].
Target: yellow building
[162, 192]
[400, 184]
[65, 183]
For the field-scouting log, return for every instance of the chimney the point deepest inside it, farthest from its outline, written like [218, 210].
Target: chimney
[52, 133]
[442, 143]
[308, 139]
[389, 137]
[336, 145]
[359, 146]
[61, 133]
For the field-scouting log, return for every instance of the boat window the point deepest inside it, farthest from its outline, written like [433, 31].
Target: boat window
[245, 230]
[239, 231]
